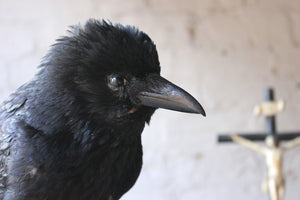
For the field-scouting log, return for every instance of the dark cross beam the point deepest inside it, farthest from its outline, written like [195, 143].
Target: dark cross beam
[270, 127]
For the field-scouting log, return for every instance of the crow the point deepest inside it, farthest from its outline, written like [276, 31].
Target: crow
[73, 132]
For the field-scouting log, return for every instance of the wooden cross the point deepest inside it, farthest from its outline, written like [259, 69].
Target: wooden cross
[272, 150]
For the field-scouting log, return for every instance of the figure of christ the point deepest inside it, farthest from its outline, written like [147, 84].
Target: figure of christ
[273, 153]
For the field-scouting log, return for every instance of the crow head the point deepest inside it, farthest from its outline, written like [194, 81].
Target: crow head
[114, 71]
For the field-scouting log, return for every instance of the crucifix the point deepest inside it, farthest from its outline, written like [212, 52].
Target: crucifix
[273, 150]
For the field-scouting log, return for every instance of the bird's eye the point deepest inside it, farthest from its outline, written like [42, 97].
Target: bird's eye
[116, 82]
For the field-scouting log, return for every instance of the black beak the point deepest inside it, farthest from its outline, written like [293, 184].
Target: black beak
[158, 92]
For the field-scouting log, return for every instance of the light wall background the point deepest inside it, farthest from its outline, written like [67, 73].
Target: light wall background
[224, 52]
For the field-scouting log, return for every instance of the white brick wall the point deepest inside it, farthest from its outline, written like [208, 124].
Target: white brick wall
[223, 52]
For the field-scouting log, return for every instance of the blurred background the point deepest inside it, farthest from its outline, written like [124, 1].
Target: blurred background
[224, 52]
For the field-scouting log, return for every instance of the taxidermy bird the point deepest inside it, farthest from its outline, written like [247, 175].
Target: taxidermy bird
[74, 131]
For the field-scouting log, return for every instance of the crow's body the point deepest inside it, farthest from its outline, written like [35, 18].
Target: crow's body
[87, 160]
[74, 131]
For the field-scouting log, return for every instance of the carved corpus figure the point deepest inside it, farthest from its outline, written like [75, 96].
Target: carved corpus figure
[274, 179]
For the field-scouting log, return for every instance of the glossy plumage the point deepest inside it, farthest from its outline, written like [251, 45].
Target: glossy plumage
[74, 131]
